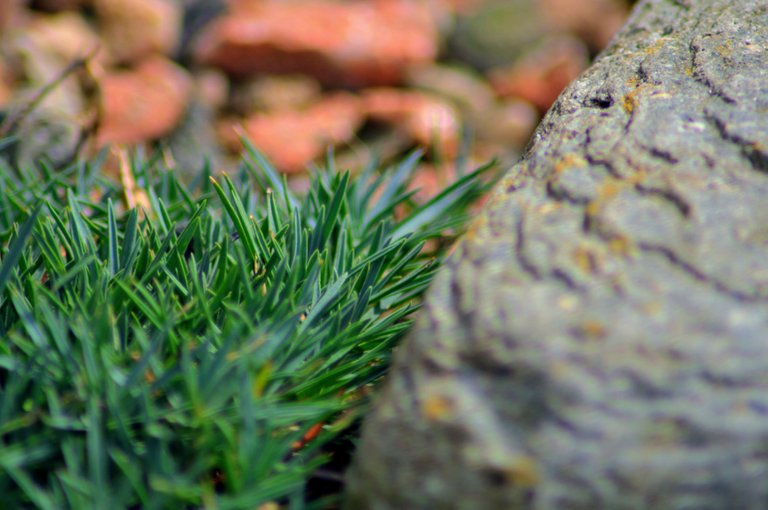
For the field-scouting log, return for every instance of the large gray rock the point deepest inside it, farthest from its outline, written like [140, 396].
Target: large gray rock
[599, 340]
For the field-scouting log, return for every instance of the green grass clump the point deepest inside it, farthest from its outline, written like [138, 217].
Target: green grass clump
[175, 357]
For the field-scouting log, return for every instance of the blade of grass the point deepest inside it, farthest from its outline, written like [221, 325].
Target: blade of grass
[12, 256]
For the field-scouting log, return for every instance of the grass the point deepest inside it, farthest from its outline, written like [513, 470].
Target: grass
[208, 350]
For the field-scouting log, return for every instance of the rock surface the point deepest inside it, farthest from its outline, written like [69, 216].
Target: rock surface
[293, 138]
[540, 75]
[144, 103]
[426, 118]
[599, 339]
[269, 59]
[348, 44]
[136, 29]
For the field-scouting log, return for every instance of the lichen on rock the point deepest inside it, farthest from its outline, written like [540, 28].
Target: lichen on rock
[600, 337]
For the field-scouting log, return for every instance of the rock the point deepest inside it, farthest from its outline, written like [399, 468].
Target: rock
[497, 31]
[427, 182]
[11, 15]
[599, 338]
[276, 92]
[339, 43]
[37, 53]
[541, 73]
[594, 21]
[135, 29]
[193, 142]
[381, 143]
[143, 104]
[464, 87]
[66, 36]
[46, 133]
[197, 14]
[510, 124]
[428, 119]
[293, 139]
[430, 179]
[212, 88]
[58, 5]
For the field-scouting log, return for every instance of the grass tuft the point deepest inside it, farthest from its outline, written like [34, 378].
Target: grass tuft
[203, 352]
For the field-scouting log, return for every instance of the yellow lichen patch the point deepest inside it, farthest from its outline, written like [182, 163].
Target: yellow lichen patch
[621, 245]
[437, 407]
[522, 472]
[725, 50]
[510, 181]
[548, 208]
[592, 208]
[475, 228]
[593, 330]
[585, 259]
[655, 47]
[609, 189]
[630, 101]
[652, 308]
[636, 177]
[567, 302]
[689, 71]
[569, 161]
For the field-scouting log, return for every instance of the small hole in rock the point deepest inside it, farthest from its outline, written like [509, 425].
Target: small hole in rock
[602, 101]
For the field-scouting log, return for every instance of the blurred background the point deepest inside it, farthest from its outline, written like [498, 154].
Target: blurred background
[366, 77]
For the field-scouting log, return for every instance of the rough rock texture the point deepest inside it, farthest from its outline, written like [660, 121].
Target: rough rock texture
[143, 103]
[339, 43]
[599, 340]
